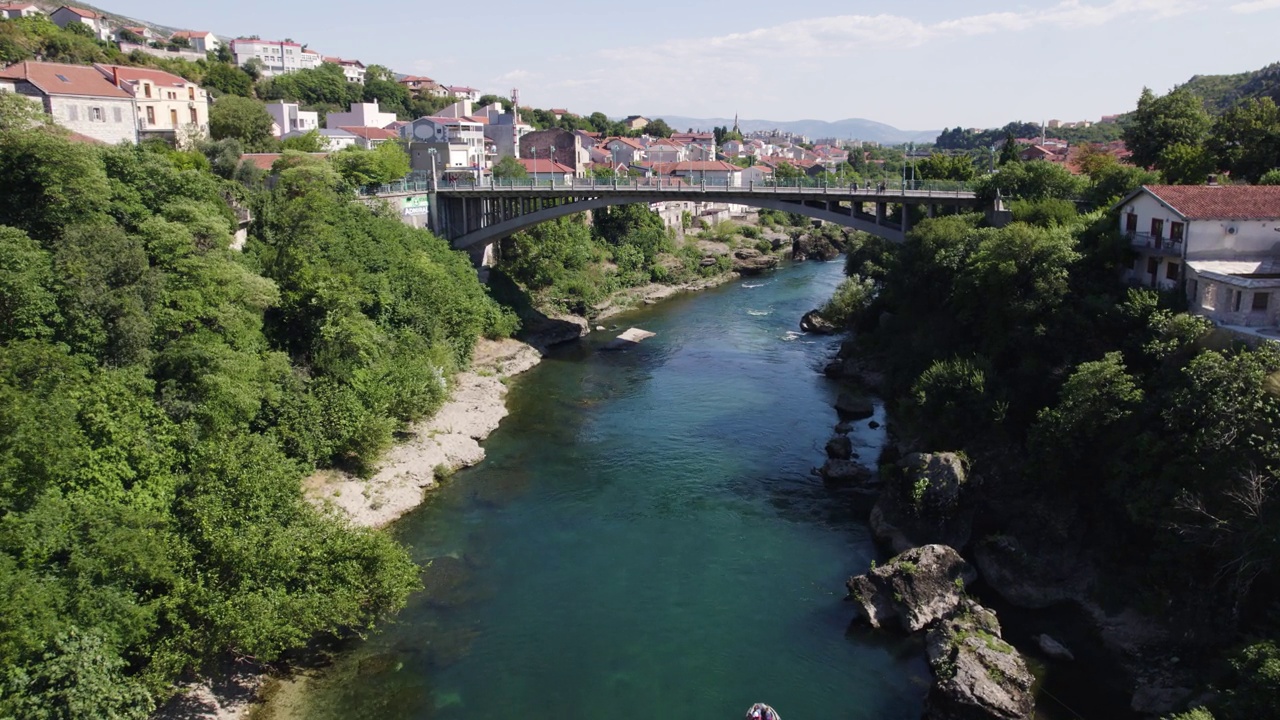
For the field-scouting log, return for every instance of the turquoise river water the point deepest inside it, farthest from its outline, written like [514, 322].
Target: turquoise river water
[646, 540]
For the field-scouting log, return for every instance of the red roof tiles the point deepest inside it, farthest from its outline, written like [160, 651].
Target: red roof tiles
[543, 165]
[1220, 202]
[371, 133]
[60, 79]
[135, 74]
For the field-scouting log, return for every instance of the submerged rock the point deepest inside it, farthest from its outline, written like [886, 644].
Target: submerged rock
[916, 588]
[977, 675]
[840, 447]
[847, 472]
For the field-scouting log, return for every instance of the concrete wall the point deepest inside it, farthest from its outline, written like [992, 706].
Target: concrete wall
[560, 145]
[191, 55]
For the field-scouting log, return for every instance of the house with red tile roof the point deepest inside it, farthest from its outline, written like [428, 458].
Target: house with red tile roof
[462, 91]
[625, 150]
[199, 40]
[10, 11]
[666, 150]
[352, 69]
[77, 97]
[544, 169]
[127, 33]
[698, 172]
[170, 107]
[1221, 242]
[97, 24]
[370, 137]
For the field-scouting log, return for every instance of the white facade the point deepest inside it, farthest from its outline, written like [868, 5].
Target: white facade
[353, 70]
[18, 10]
[624, 151]
[169, 106]
[289, 118]
[77, 97]
[67, 15]
[1230, 266]
[360, 115]
[199, 40]
[278, 56]
[458, 143]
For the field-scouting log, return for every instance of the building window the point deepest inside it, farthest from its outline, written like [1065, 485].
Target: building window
[1157, 228]
[1261, 300]
[195, 119]
[1153, 265]
[1235, 301]
[191, 93]
[1171, 271]
[146, 90]
[1176, 231]
[151, 115]
[97, 115]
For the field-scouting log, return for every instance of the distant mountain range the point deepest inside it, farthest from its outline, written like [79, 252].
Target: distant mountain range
[850, 129]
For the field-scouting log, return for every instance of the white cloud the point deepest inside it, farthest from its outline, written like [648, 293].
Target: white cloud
[514, 76]
[1255, 6]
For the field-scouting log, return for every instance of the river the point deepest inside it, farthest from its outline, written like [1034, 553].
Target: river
[644, 540]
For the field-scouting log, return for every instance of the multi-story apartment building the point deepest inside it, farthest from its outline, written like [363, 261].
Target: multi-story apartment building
[278, 57]
[77, 97]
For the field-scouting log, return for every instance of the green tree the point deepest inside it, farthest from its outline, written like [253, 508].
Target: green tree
[946, 167]
[1034, 180]
[658, 128]
[1009, 150]
[228, 79]
[1178, 118]
[508, 168]
[1246, 139]
[1270, 177]
[241, 119]
[1183, 164]
[310, 141]
[28, 306]
[787, 171]
[383, 164]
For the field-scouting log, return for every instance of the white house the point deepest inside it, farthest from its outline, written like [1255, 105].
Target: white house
[547, 170]
[353, 69]
[337, 138]
[10, 11]
[169, 107]
[97, 24]
[665, 150]
[277, 56]
[625, 150]
[756, 175]
[199, 40]
[78, 97]
[289, 117]
[360, 115]
[1222, 241]
[127, 33]
[462, 91]
[370, 137]
[710, 172]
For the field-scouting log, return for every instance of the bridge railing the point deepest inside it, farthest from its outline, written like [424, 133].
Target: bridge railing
[673, 184]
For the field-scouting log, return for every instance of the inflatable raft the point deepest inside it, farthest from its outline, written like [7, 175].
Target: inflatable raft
[760, 711]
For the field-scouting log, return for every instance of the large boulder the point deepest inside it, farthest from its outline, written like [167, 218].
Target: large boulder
[813, 247]
[813, 322]
[922, 503]
[977, 675]
[749, 261]
[840, 447]
[915, 589]
[854, 407]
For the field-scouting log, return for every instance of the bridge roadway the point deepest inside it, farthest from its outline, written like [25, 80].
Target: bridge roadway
[472, 216]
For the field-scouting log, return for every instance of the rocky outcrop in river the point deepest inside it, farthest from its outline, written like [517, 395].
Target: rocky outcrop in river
[977, 675]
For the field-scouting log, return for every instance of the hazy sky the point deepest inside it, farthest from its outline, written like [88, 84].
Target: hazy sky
[915, 64]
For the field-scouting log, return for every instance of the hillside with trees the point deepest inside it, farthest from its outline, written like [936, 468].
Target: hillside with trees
[164, 395]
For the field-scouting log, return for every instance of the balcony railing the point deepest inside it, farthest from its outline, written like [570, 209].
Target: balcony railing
[1147, 241]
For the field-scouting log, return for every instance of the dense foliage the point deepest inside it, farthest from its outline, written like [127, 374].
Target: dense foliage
[1100, 417]
[162, 397]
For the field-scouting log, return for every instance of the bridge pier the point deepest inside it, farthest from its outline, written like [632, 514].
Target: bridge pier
[881, 209]
[906, 218]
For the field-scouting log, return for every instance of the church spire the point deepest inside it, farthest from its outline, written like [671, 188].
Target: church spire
[735, 124]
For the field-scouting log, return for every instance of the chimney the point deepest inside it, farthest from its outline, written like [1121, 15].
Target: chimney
[1213, 180]
[115, 75]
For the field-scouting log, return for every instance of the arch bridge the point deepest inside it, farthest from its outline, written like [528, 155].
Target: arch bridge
[474, 215]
